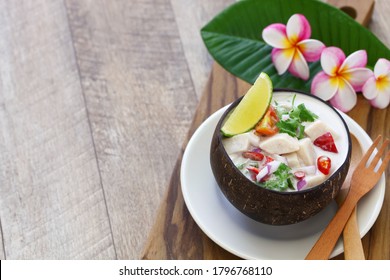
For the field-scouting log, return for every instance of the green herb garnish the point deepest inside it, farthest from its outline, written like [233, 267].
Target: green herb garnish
[240, 166]
[280, 179]
[302, 114]
[293, 101]
[292, 125]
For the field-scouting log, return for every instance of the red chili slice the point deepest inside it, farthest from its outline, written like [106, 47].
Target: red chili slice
[253, 172]
[253, 155]
[324, 164]
[268, 159]
[326, 142]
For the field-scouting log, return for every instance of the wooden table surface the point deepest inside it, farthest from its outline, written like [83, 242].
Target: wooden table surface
[97, 101]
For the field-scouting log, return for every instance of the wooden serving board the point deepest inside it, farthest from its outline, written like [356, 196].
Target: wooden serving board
[175, 235]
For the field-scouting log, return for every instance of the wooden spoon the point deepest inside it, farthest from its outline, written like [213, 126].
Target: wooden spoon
[353, 249]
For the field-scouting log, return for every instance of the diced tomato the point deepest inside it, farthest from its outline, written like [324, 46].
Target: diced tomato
[326, 142]
[324, 164]
[253, 155]
[253, 172]
[268, 159]
[267, 125]
[299, 175]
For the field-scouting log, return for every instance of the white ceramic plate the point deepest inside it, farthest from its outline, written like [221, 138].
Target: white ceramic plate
[244, 237]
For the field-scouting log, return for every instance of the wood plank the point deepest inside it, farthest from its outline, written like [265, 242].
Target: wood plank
[191, 16]
[2, 251]
[360, 10]
[51, 200]
[140, 100]
[379, 23]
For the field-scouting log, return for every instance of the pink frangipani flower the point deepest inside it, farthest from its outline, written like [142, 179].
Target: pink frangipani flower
[377, 88]
[292, 46]
[341, 77]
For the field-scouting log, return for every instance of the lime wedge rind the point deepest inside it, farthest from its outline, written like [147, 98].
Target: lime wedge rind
[251, 108]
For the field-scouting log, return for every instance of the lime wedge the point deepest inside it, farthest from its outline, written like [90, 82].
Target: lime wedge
[251, 108]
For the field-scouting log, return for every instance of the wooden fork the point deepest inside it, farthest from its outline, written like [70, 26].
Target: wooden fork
[364, 178]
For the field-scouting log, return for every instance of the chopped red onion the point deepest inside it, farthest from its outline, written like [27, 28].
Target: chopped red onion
[273, 166]
[301, 184]
[262, 173]
[299, 175]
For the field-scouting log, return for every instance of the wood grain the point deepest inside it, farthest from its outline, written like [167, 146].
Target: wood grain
[2, 250]
[51, 200]
[379, 22]
[191, 16]
[140, 100]
[360, 10]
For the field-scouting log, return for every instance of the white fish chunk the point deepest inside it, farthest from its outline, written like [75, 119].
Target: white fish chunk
[236, 144]
[254, 139]
[279, 158]
[292, 160]
[308, 170]
[314, 180]
[280, 143]
[306, 152]
[318, 128]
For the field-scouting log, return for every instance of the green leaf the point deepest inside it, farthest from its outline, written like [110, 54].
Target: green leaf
[303, 114]
[280, 179]
[234, 40]
[289, 126]
[293, 124]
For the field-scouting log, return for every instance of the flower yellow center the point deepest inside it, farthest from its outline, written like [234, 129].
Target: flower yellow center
[293, 40]
[346, 76]
[334, 81]
[382, 83]
[288, 53]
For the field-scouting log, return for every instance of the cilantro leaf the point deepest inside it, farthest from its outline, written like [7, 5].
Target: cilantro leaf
[307, 115]
[280, 179]
[302, 114]
[293, 124]
[240, 166]
[288, 126]
[301, 131]
[280, 111]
